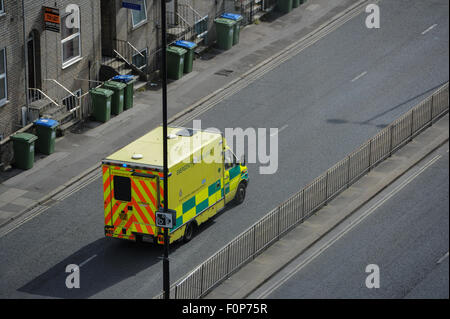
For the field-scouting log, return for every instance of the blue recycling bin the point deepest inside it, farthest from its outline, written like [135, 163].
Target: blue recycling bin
[129, 90]
[189, 56]
[46, 133]
[237, 27]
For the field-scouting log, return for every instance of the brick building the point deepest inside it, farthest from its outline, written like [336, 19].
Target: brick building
[59, 63]
[100, 39]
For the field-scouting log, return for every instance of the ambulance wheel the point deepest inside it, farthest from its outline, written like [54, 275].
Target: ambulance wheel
[189, 232]
[240, 194]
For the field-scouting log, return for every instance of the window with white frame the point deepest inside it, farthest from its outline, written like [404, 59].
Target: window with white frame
[3, 78]
[139, 16]
[2, 7]
[70, 41]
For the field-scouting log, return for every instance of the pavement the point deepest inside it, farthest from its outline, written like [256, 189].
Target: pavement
[322, 113]
[403, 231]
[272, 261]
[80, 151]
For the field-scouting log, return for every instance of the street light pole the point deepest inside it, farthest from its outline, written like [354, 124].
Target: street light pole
[166, 268]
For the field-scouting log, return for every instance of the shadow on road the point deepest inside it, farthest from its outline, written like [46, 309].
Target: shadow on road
[373, 118]
[114, 261]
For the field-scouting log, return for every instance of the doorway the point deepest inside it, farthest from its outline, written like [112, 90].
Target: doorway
[108, 21]
[34, 60]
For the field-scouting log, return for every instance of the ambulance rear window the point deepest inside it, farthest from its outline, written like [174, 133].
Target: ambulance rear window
[122, 188]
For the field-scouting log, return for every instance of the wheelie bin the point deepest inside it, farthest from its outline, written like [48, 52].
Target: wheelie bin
[129, 81]
[225, 33]
[101, 103]
[23, 145]
[284, 6]
[46, 133]
[175, 62]
[237, 27]
[118, 98]
[189, 56]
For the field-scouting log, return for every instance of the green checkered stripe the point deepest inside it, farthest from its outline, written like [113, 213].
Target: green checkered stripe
[205, 198]
[200, 202]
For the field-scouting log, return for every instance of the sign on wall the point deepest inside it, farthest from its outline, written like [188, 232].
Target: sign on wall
[132, 4]
[52, 19]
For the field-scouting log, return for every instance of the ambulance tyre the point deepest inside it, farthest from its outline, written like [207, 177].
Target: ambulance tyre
[240, 194]
[189, 232]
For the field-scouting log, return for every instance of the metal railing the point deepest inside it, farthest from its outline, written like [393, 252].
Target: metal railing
[125, 51]
[247, 8]
[310, 199]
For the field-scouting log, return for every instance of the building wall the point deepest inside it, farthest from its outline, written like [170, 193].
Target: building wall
[10, 31]
[50, 53]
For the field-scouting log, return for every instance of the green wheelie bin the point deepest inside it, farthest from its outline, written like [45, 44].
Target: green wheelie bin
[189, 56]
[23, 145]
[285, 6]
[175, 62]
[129, 81]
[46, 133]
[101, 104]
[118, 98]
[295, 3]
[225, 33]
[237, 27]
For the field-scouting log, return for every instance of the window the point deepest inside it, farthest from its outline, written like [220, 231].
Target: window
[70, 41]
[122, 188]
[230, 159]
[2, 7]
[3, 78]
[139, 16]
[140, 60]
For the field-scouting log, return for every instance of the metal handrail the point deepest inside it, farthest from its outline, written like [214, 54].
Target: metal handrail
[60, 85]
[45, 95]
[121, 56]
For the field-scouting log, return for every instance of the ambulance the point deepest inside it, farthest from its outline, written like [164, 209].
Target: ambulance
[204, 176]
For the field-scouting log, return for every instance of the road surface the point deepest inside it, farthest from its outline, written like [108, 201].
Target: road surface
[326, 101]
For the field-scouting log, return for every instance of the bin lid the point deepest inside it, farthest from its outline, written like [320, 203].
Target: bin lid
[186, 44]
[46, 123]
[176, 50]
[24, 137]
[103, 92]
[225, 21]
[123, 78]
[114, 85]
[232, 16]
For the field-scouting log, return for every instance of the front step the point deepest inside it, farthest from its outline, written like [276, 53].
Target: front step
[39, 107]
[139, 85]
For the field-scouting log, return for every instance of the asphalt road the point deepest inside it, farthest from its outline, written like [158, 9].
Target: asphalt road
[404, 233]
[328, 99]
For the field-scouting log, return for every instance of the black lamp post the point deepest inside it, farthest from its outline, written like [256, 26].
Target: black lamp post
[166, 273]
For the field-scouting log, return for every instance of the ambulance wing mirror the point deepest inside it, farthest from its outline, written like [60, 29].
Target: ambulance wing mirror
[243, 160]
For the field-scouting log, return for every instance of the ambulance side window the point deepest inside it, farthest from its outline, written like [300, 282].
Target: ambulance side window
[230, 160]
[122, 188]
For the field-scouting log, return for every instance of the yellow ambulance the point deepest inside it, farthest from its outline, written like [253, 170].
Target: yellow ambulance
[204, 176]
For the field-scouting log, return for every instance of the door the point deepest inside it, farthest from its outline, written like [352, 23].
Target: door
[232, 172]
[145, 202]
[108, 22]
[33, 60]
[121, 198]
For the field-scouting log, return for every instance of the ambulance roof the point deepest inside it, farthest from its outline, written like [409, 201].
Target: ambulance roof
[148, 149]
